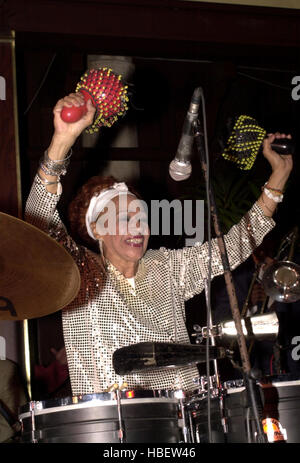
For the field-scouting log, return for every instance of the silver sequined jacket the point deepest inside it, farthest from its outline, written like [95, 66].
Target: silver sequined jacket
[108, 313]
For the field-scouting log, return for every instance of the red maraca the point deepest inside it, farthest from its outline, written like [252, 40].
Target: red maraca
[108, 95]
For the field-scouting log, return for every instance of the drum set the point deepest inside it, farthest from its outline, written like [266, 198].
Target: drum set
[122, 415]
[161, 416]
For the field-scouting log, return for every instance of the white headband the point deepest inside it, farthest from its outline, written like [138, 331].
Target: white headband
[98, 203]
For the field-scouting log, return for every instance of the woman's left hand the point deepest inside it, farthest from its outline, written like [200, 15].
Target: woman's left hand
[281, 169]
[281, 164]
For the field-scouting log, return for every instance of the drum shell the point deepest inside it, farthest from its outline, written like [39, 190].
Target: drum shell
[280, 399]
[144, 420]
[235, 410]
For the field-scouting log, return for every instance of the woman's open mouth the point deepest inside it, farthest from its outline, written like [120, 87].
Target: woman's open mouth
[135, 241]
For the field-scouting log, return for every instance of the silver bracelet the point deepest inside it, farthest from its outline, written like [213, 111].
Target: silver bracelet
[45, 169]
[276, 198]
[58, 160]
[56, 167]
[47, 182]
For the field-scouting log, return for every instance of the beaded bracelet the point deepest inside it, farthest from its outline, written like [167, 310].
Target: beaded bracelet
[276, 191]
[276, 198]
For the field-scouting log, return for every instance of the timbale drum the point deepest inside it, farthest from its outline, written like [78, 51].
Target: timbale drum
[233, 422]
[140, 416]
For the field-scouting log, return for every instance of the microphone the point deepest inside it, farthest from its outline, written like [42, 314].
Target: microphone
[108, 95]
[246, 140]
[180, 168]
[150, 355]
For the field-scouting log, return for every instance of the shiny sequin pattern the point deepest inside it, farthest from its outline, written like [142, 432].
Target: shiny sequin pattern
[109, 313]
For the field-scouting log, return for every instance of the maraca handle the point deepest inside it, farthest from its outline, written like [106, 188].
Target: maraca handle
[75, 113]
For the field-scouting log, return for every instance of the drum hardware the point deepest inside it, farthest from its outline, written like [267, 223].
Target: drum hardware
[121, 430]
[215, 366]
[194, 404]
[33, 431]
[203, 385]
[261, 327]
[198, 334]
[277, 413]
[116, 389]
[193, 438]
[182, 410]
[112, 388]
[117, 393]
[281, 280]
[233, 384]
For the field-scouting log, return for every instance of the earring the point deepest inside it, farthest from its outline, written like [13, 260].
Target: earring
[100, 241]
[102, 258]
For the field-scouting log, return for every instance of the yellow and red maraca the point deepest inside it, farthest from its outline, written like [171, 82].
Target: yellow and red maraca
[108, 94]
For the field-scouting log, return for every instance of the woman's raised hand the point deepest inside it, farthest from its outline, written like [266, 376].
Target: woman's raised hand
[65, 130]
[281, 164]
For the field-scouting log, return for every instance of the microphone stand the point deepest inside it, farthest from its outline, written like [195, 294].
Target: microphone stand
[250, 383]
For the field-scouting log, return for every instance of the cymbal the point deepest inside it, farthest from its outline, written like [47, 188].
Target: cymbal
[37, 275]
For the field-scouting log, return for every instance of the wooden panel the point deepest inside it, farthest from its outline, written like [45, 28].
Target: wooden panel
[157, 19]
[269, 3]
[10, 198]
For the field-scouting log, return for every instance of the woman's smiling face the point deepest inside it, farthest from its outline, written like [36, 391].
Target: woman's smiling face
[123, 228]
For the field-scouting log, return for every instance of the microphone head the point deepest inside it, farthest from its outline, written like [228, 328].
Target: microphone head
[180, 170]
[244, 142]
[108, 94]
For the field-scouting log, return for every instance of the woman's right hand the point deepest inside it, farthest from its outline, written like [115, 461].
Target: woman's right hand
[68, 132]
[65, 134]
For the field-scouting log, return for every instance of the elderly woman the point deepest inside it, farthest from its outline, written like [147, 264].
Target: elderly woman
[128, 294]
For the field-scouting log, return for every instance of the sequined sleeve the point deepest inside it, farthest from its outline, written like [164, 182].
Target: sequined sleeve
[41, 211]
[190, 264]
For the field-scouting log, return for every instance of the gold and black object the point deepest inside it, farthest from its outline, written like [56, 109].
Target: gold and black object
[263, 327]
[37, 275]
[151, 355]
[281, 281]
[245, 141]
